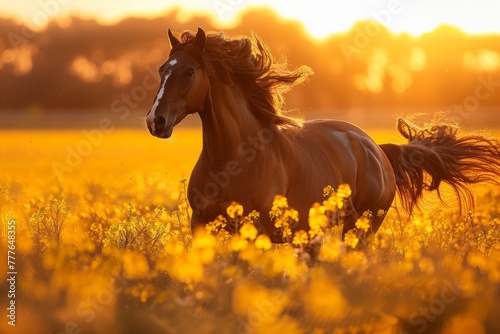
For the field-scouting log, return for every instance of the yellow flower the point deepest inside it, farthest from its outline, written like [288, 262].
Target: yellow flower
[263, 242]
[203, 239]
[330, 204]
[324, 300]
[248, 231]
[285, 262]
[292, 214]
[336, 199]
[188, 267]
[280, 201]
[250, 298]
[234, 210]
[283, 216]
[254, 216]
[344, 191]
[318, 221]
[332, 248]
[300, 238]
[238, 243]
[287, 232]
[217, 225]
[351, 239]
[316, 210]
[328, 191]
[329, 253]
[363, 223]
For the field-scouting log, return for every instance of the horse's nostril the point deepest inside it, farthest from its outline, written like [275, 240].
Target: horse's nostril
[160, 122]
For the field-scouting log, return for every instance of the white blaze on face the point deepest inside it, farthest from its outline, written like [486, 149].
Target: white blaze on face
[159, 96]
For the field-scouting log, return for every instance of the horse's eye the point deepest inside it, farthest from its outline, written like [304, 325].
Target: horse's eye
[190, 72]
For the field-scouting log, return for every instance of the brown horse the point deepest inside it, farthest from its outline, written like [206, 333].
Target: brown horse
[252, 152]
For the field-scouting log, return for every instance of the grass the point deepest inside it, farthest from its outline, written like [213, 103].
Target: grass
[103, 246]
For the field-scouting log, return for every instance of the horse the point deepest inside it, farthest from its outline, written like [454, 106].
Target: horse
[252, 151]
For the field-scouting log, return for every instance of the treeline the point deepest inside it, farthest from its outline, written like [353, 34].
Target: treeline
[80, 64]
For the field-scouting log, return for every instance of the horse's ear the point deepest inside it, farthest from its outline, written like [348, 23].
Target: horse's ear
[173, 40]
[201, 38]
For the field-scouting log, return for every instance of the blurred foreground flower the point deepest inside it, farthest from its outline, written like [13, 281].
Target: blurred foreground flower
[351, 239]
[248, 231]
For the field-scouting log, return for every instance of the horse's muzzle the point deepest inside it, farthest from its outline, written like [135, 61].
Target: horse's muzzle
[157, 126]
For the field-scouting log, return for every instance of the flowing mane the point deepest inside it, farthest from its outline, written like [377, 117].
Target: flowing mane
[249, 64]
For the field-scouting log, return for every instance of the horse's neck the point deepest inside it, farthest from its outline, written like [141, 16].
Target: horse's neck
[227, 122]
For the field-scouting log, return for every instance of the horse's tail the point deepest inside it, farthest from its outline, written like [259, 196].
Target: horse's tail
[434, 155]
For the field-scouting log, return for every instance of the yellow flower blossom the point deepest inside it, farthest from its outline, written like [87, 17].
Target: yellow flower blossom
[280, 202]
[248, 231]
[351, 239]
[203, 239]
[363, 223]
[328, 191]
[263, 242]
[330, 204]
[283, 216]
[300, 238]
[316, 210]
[318, 221]
[217, 225]
[238, 243]
[324, 300]
[254, 216]
[188, 267]
[344, 191]
[250, 298]
[286, 231]
[331, 250]
[234, 210]
[336, 198]
[285, 262]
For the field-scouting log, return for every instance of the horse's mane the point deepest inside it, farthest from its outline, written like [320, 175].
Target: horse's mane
[249, 64]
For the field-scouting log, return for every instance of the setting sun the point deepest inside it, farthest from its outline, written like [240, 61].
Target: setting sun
[320, 18]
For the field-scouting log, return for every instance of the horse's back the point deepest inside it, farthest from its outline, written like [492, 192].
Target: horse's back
[336, 152]
[345, 143]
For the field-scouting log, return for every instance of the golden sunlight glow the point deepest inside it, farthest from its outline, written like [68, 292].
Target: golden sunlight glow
[20, 58]
[483, 60]
[120, 69]
[400, 73]
[320, 17]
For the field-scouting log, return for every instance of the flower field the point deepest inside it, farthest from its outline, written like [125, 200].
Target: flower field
[97, 225]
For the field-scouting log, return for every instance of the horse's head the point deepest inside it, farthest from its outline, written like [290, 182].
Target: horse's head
[184, 85]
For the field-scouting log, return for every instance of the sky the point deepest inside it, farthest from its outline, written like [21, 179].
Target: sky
[320, 17]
